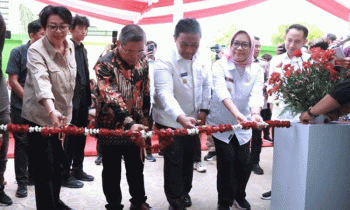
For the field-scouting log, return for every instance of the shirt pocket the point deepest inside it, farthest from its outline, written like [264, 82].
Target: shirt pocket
[230, 85]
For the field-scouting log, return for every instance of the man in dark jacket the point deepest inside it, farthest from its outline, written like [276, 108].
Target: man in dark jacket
[74, 145]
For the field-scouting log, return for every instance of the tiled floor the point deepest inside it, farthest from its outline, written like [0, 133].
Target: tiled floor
[204, 194]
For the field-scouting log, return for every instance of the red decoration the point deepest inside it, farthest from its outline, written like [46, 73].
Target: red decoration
[167, 135]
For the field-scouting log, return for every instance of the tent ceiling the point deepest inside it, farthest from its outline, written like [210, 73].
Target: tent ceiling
[146, 12]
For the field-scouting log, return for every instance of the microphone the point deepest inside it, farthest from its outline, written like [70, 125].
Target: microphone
[341, 42]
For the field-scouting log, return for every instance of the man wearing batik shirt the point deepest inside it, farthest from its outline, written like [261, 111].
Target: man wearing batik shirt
[123, 102]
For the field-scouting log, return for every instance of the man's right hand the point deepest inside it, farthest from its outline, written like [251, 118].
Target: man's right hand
[279, 49]
[186, 122]
[138, 127]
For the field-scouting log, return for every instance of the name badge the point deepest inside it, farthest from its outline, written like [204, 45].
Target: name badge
[184, 81]
[184, 74]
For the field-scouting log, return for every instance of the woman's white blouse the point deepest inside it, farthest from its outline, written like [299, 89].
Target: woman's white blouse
[245, 91]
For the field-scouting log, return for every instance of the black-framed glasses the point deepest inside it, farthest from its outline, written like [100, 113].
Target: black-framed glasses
[244, 45]
[63, 27]
[130, 52]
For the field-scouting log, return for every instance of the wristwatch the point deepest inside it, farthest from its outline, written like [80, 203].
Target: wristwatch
[310, 114]
[206, 111]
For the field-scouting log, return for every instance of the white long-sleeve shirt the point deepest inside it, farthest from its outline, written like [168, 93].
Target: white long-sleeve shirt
[151, 64]
[245, 92]
[181, 87]
[279, 105]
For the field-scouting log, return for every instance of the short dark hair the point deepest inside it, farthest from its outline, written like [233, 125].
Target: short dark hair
[299, 28]
[152, 42]
[34, 27]
[133, 33]
[267, 56]
[187, 25]
[80, 20]
[319, 43]
[331, 37]
[63, 12]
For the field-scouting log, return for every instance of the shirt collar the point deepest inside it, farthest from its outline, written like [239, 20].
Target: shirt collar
[51, 50]
[285, 56]
[76, 46]
[179, 57]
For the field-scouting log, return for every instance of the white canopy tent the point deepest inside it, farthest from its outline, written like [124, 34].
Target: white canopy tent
[158, 17]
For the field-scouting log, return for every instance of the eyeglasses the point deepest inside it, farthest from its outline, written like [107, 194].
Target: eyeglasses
[244, 45]
[130, 52]
[62, 28]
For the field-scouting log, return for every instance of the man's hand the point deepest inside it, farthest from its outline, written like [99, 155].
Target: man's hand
[186, 122]
[150, 55]
[305, 118]
[343, 62]
[138, 127]
[333, 115]
[202, 118]
[279, 49]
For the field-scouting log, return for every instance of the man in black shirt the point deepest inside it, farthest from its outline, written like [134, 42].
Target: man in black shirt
[74, 145]
[17, 72]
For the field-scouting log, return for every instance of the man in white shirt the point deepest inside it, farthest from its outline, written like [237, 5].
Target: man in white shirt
[150, 53]
[295, 38]
[182, 80]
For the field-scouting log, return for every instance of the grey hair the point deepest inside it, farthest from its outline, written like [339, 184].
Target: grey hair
[133, 33]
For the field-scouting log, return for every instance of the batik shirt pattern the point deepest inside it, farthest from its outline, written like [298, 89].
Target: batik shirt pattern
[123, 93]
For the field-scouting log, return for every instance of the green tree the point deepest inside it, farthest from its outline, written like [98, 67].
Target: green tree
[225, 35]
[278, 38]
[27, 16]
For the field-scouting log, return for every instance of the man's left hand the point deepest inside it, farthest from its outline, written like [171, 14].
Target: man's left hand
[202, 117]
[305, 118]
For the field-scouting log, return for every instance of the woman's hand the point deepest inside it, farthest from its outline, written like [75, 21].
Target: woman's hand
[57, 119]
[257, 118]
[240, 117]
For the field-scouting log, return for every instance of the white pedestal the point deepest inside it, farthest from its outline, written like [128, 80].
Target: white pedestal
[311, 167]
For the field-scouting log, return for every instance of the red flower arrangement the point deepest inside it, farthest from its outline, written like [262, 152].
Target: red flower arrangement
[304, 86]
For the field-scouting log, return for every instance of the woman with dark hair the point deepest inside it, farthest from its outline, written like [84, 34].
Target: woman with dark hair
[47, 100]
[237, 97]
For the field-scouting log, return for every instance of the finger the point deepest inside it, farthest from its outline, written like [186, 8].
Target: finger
[305, 121]
[191, 125]
[193, 120]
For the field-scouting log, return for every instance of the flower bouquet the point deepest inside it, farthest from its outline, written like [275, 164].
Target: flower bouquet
[304, 86]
